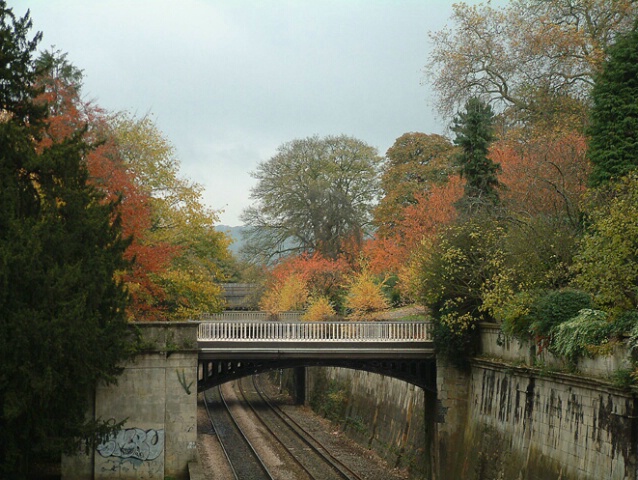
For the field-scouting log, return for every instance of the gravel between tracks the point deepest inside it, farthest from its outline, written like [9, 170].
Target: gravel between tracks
[360, 459]
[211, 456]
[366, 462]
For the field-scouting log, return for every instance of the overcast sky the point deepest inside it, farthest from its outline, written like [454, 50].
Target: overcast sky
[227, 82]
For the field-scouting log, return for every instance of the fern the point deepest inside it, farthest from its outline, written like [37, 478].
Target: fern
[574, 338]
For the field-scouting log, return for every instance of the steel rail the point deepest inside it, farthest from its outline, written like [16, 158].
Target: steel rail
[219, 440]
[241, 463]
[272, 433]
[315, 445]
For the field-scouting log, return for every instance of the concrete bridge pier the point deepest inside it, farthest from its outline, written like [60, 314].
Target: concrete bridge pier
[299, 376]
[157, 397]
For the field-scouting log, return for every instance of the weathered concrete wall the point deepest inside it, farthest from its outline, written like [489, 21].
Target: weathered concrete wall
[451, 411]
[523, 425]
[157, 396]
[379, 412]
[495, 345]
[517, 421]
[512, 415]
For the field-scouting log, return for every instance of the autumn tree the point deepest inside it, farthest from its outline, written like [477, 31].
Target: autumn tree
[62, 323]
[419, 189]
[536, 59]
[613, 236]
[175, 252]
[321, 278]
[474, 133]
[61, 84]
[433, 209]
[414, 163]
[315, 195]
[613, 145]
[544, 174]
[189, 279]
[69, 115]
[457, 267]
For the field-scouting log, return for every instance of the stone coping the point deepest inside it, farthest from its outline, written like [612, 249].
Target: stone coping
[570, 379]
[167, 337]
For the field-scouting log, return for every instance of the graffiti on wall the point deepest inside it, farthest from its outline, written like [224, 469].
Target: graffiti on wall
[134, 443]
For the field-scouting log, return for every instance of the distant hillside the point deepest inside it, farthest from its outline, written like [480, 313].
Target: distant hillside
[236, 234]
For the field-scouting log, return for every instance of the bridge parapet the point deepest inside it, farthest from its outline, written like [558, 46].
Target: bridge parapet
[242, 331]
[232, 349]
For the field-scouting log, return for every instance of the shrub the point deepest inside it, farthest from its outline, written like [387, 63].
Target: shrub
[365, 296]
[632, 343]
[291, 294]
[319, 309]
[516, 315]
[392, 291]
[455, 346]
[556, 307]
[607, 264]
[454, 274]
[625, 323]
[574, 338]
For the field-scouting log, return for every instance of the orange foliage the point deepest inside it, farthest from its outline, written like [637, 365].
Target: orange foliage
[543, 175]
[423, 218]
[384, 254]
[69, 115]
[431, 211]
[323, 276]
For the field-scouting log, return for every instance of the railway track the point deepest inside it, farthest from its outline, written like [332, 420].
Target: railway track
[311, 456]
[244, 461]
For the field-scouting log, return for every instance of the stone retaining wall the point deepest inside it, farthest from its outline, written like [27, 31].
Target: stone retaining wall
[523, 425]
[511, 415]
[157, 397]
[515, 415]
[379, 412]
[494, 344]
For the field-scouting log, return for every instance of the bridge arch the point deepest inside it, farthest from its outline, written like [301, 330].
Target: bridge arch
[230, 350]
[419, 372]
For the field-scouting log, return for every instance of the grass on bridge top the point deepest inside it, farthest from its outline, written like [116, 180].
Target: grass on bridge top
[408, 313]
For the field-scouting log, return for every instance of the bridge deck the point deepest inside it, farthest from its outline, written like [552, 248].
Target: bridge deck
[233, 349]
[266, 340]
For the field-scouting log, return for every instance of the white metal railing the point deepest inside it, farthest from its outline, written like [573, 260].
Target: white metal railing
[315, 331]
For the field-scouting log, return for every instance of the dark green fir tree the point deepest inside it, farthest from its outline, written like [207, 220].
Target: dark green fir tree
[474, 129]
[62, 323]
[613, 145]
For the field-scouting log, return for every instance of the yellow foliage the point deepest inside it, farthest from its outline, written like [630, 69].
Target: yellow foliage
[319, 309]
[292, 294]
[365, 296]
[457, 322]
[410, 275]
[190, 293]
[269, 301]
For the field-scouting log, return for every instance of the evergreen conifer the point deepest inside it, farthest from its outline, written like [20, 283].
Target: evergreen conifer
[613, 146]
[474, 133]
[62, 324]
